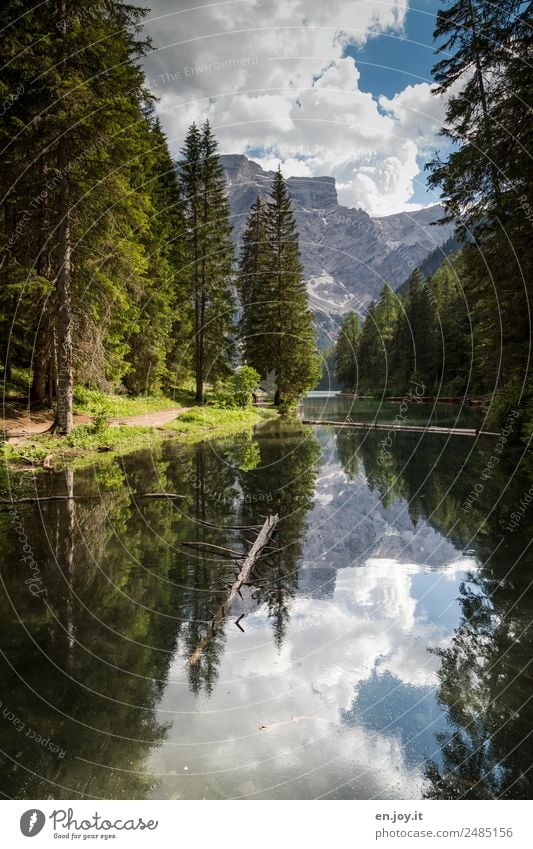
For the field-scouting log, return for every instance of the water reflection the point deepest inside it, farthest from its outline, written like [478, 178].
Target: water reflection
[383, 653]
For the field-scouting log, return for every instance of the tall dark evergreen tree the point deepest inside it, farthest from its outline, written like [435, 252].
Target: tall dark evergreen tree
[210, 254]
[80, 155]
[487, 179]
[254, 285]
[375, 350]
[347, 351]
[287, 321]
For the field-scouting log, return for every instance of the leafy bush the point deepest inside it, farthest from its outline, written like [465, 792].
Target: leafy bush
[236, 391]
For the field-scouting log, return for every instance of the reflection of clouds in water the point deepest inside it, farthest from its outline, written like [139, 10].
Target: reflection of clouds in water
[370, 626]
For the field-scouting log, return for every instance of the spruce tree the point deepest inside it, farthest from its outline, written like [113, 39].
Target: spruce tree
[254, 286]
[75, 182]
[377, 341]
[487, 179]
[347, 351]
[210, 255]
[292, 352]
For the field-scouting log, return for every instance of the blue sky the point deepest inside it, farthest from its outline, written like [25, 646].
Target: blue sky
[390, 62]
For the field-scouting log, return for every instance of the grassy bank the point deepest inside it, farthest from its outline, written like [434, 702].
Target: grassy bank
[90, 402]
[208, 422]
[86, 443]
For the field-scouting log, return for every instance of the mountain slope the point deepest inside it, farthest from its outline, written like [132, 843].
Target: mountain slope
[347, 255]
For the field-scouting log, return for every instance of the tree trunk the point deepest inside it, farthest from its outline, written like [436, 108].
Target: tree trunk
[277, 398]
[41, 365]
[199, 383]
[65, 383]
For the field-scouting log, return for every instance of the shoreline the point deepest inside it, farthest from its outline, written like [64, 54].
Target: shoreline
[86, 444]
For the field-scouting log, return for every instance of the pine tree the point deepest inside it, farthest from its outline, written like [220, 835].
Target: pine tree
[254, 286]
[347, 351]
[210, 255]
[288, 322]
[75, 176]
[377, 342]
[487, 178]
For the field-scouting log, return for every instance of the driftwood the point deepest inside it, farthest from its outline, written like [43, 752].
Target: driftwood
[228, 552]
[248, 563]
[35, 499]
[454, 431]
[157, 495]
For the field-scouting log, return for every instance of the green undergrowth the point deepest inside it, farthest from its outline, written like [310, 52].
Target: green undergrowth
[88, 443]
[208, 422]
[90, 402]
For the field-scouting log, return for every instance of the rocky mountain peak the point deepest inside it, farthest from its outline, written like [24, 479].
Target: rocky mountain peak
[348, 256]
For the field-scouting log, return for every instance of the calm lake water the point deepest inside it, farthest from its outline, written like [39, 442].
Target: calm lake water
[384, 653]
[331, 406]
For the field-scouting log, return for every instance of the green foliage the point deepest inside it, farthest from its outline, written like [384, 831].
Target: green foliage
[376, 343]
[90, 401]
[422, 337]
[487, 180]
[209, 256]
[237, 390]
[277, 325]
[84, 134]
[347, 351]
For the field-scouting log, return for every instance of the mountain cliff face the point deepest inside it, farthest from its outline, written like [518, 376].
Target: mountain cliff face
[347, 255]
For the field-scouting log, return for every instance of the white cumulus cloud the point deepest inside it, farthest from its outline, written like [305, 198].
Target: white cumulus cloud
[273, 78]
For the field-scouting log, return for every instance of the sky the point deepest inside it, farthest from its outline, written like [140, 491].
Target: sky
[320, 87]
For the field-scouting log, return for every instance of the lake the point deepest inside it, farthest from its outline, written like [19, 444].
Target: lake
[383, 651]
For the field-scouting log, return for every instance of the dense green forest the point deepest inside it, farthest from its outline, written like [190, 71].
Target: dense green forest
[464, 328]
[117, 268]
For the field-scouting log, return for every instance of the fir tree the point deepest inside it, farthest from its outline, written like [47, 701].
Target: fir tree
[210, 255]
[347, 351]
[77, 166]
[254, 286]
[287, 321]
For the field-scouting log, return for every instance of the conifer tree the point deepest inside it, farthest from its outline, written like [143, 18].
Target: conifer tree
[292, 352]
[77, 165]
[347, 351]
[487, 179]
[254, 286]
[210, 255]
[377, 340]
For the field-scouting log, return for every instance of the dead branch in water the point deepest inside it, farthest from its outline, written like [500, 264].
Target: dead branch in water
[249, 562]
[228, 552]
[157, 495]
[228, 527]
[35, 499]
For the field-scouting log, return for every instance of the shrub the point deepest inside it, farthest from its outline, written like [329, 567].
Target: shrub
[236, 391]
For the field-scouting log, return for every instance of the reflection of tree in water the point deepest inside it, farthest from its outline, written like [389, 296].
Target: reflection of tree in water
[203, 576]
[349, 453]
[282, 482]
[485, 687]
[63, 678]
[484, 683]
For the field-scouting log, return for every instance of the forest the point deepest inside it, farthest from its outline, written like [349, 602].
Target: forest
[464, 329]
[118, 269]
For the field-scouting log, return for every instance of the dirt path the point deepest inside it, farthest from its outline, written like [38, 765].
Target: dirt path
[20, 424]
